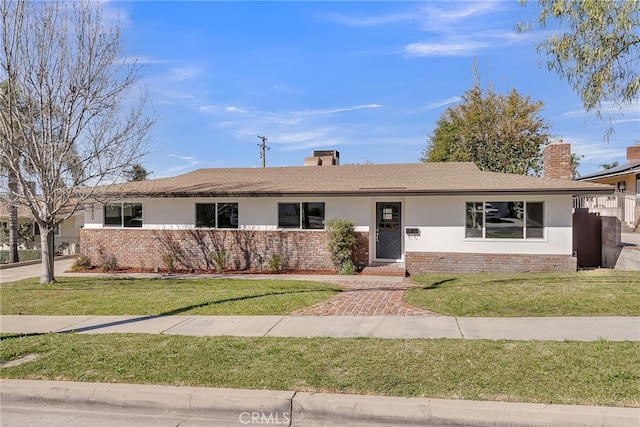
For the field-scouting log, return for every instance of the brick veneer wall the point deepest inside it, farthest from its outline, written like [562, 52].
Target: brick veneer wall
[422, 263]
[194, 249]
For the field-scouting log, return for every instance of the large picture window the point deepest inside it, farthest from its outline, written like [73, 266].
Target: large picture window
[504, 220]
[123, 215]
[217, 215]
[307, 216]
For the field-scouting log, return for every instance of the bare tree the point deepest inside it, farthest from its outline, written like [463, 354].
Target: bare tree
[81, 119]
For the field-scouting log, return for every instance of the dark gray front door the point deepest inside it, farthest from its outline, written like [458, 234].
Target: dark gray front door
[388, 230]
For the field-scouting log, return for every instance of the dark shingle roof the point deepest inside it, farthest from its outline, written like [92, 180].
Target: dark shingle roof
[350, 180]
[624, 169]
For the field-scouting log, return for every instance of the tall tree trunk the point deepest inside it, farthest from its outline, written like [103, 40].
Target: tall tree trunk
[13, 220]
[46, 243]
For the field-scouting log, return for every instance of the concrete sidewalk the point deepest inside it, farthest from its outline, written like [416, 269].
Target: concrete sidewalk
[530, 328]
[231, 407]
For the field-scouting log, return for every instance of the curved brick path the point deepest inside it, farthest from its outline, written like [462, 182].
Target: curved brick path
[362, 298]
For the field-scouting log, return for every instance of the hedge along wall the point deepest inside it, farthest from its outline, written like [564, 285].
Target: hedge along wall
[196, 249]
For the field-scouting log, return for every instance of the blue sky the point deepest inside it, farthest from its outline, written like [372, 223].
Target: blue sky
[369, 79]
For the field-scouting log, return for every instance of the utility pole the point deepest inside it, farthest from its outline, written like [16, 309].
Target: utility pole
[263, 150]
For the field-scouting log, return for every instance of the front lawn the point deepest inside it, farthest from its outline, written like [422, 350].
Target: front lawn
[122, 296]
[584, 293]
[584, 373]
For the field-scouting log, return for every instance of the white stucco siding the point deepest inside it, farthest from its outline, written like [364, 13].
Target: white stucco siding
[260, 213]
[441, 221]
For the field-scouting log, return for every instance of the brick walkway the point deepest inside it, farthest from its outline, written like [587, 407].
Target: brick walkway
[366, 299]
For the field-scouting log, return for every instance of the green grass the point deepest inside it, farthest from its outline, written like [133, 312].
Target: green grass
[586, 373]
[121, 296]
[585, 293]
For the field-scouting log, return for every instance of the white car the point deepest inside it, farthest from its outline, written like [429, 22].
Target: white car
[490, 212]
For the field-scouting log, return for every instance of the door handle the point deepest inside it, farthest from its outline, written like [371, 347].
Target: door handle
[377, 234]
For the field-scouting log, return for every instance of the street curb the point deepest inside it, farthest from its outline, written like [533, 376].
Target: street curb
[224, 406]
[318, 409]
[243, 407]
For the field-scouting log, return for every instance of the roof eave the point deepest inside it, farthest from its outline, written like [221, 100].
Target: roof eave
[368, 193]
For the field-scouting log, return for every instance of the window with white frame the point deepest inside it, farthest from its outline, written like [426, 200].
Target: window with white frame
[305, 215]
[123, 215]
[217, 215]
[504, 220]
[36, 229]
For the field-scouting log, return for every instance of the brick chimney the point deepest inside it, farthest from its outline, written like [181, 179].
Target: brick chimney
[323, 158]
[556, 160]
[633, 153]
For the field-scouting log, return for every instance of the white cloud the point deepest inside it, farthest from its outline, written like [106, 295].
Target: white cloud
[337, 110]
[113, 15]
[609, 108]
[368, 21]
[182, 157]
[297, 137]
[232, 109]
[443, 102]
[430, 16]
[140, 60]
[208, 108]
[592, 155]
[449, 48]
[183, 73]
[439, 15]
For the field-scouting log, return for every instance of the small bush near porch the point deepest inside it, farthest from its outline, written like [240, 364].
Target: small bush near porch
[583, 293]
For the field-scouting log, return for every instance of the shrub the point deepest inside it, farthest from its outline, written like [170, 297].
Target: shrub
[169, 261]
[23, 255]
[275, 262]
[109, 263]
[347, 269]
[342, 239]
[220, 259]
[82, 263]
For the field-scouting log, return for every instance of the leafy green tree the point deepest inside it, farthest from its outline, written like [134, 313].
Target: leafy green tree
[575, 164]
[500, 133]
[608, 166]
[597, 49]
[136, 172]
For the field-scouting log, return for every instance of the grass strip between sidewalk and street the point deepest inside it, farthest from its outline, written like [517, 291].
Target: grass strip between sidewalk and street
[585, 373]
[583, 293]
[126, 296]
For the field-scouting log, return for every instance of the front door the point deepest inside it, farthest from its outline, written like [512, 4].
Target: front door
[388, 230]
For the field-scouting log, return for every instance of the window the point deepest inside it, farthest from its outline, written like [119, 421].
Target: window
[123, 215]
[36, 229]
[504, 220]
[307, 216]
[217, 215]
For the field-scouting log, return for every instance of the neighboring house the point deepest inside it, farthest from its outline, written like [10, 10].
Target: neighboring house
[67, 235]
[625, 203]
[431, 216]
